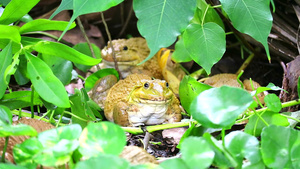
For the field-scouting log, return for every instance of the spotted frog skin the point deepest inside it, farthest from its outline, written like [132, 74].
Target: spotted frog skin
[130, 52]
[139, 100]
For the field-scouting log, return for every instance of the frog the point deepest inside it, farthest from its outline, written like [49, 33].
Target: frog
[231, 80]
[140, 100]
[128, 53]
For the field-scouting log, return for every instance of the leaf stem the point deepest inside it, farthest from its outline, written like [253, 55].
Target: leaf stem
[4, 149]
[31, 101]
[246, 63]
[206, 9]
[217, 6]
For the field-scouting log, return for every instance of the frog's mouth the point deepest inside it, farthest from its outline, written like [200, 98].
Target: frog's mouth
[156, 100]
[110, 64]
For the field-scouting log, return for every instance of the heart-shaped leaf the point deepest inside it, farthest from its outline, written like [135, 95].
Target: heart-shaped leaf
[160, 22]
[196, 152]
[219, 107]
[189, 89]
[242, 145]
[101, 138]
[280, 147]
[252, 17]
[206, 44]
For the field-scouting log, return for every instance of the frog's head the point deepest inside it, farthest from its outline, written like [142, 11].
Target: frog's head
[151, 91]
[127, 51]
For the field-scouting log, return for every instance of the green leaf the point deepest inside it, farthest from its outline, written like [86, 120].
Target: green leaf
[189, 89]
[160, 22]
[10, 166]
[206, 44]
[5, 116]
[280, 147]
[270, 86]
[45, 83]
[81, 7]
[242, 145]
[181, 54]
[64, 5]
[21, 72]
[10, 32]
[196, 152]
[6, 59]
[11, 69]
[80, 108]
[20, 99]
[298, 86]
[15, 10]
[101, 138]
[214, 109]
[273, 102]
[103, 161]
[256, 125]
[25, 152]
[17, 130]
[93, 78]
[193, 130]
[44, 25]
[252, 17]
[58, 145]
[4, 42]
[60, 67]
[222, 159]
[84, 48]
[175, 163]
[64, 51]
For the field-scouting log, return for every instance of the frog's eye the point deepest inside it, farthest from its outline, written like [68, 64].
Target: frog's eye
[146, 85]
[125, 48]
[167, 84]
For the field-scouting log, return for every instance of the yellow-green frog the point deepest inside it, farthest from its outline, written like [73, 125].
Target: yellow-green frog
[128, 53]
[139, 100]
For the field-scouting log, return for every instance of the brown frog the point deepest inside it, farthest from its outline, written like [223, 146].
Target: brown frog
[139, 100]
[231, 80]
[130, 52]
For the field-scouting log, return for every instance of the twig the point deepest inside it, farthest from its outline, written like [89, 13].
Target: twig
[246, 63]
[87, 40]
[126, 22]
[111, 45]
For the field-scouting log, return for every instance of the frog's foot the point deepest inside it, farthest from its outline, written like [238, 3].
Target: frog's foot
[120, 114]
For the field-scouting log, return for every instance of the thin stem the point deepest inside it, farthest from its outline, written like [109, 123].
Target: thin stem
[217, 6]
[4, 149]
[206, 9]
[246, 63]
[111, 45]
[289, 117]
[87, 40]
[150, 129]
[31, 102]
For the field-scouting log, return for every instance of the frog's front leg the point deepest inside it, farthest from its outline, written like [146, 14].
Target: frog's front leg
[174, 114]
[120, 114]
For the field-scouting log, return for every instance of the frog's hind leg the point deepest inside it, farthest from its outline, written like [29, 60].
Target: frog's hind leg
[120, 114]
